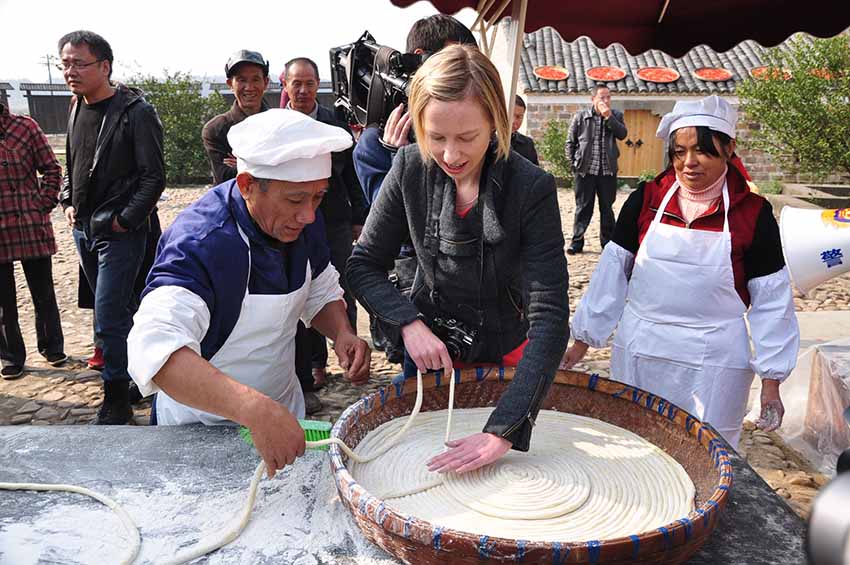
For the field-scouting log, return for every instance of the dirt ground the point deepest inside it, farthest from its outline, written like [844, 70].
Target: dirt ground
[72, 393]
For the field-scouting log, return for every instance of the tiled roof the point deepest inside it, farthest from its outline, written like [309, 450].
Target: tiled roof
[6, 86]
[545, 47]
[43, 87]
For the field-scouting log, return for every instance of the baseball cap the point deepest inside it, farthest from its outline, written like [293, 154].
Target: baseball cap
[245, 56]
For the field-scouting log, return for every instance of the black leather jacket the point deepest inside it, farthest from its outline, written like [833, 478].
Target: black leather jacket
[128, 172]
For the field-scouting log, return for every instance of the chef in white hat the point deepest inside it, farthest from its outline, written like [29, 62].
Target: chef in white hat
[693, 252]
[214, 334]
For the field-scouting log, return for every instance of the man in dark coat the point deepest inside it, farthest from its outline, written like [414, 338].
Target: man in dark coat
[344, 209]
[592, 151]
[114, 177]
[248, 77]
[520, 143]
[26, 235]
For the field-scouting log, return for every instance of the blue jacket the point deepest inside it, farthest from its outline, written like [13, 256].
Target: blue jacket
[372, 162]
[204, 253]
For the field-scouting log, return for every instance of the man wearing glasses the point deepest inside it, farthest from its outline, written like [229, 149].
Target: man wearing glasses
[114, 176]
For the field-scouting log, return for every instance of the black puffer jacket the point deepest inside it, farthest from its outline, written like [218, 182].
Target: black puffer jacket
[513, 268]
[128, 172]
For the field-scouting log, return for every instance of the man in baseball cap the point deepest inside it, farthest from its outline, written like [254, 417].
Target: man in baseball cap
[214, 334]
[248, 77]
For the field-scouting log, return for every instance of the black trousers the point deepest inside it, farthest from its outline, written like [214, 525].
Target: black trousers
[588, 188]
[48, 329]
[311, 349]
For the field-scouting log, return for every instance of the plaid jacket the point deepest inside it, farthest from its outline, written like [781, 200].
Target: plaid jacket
[26, 200]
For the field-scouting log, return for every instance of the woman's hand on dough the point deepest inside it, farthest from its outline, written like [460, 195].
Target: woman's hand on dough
[426, 349]
[277, 434]
[469, 453]
[573, 355]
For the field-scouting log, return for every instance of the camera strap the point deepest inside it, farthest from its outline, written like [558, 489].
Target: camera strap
[377, 89]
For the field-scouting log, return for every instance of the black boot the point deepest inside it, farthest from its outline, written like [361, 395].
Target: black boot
[115, 410]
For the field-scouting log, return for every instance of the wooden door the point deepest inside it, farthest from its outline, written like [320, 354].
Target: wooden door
[641, 151]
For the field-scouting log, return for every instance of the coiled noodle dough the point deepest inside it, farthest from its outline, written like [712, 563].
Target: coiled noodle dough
[583, 479]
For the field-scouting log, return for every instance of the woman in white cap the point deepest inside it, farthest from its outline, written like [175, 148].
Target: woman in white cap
[491, 282]
[693, 252]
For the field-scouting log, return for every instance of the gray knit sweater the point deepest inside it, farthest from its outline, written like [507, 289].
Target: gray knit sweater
[521, 229]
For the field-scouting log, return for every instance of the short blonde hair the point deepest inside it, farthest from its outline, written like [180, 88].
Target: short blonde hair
[451, 75]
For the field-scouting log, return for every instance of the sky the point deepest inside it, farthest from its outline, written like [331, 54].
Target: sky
[197, 37]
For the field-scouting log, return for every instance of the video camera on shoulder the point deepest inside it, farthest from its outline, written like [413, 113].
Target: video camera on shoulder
[370, 80]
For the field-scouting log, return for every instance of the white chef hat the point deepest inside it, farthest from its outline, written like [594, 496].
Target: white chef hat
[713, 112]
[281, 144]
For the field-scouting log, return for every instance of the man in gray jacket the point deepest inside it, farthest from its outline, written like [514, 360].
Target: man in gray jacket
[592, 151]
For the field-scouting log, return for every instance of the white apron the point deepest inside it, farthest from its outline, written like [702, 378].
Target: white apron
[259, 352]
[682, 335]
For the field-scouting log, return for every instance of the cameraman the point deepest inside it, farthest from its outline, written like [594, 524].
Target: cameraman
[374, 152]
[486, 228]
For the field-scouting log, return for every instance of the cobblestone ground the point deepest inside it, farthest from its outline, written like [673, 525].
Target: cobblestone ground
[71, 394]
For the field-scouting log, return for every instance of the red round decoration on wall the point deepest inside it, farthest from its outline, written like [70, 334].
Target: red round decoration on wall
[765, 72]
[662, 75]
[712, 74]
[825, 74]
[605, 74]
[551, 72]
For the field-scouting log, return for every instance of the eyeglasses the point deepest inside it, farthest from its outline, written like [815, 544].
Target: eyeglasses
[78, 66]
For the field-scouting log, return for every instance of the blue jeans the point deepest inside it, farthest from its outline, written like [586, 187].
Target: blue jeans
[111, 267]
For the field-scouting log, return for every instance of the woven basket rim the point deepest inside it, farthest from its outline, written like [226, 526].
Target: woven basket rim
[708, 438]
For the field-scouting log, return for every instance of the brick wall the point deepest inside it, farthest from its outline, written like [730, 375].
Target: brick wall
[762, 167]
[538, 115]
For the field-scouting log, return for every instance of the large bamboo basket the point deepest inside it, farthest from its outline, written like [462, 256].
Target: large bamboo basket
[693, 444]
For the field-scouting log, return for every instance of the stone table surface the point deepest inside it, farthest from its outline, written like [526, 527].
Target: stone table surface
[181, 484]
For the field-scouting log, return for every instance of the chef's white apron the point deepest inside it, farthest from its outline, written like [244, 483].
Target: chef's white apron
[260, 352]
[682, 335]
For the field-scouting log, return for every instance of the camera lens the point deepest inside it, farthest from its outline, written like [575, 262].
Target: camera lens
[453, 349]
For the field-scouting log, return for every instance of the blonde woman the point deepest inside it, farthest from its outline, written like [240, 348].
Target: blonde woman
[491, 281]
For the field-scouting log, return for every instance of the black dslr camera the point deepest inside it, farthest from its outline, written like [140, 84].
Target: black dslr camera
[461, 341]
[370, 80]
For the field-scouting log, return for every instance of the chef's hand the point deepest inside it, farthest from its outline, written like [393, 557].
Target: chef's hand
[71, 215]
[772, 409]
[469, 453]
[426, 349]
[229, 161]
[354, 357]
[277, 435]
[397, 128]
[573, 355]
[116, 227]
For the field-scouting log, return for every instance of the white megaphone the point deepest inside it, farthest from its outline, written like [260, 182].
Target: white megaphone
[816, 244]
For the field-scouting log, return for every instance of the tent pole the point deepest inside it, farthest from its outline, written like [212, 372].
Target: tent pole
[483, 6]
[485, 44]
[519, 9]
